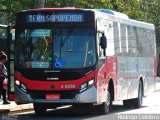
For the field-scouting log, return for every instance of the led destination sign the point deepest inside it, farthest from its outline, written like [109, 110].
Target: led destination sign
[61, 17]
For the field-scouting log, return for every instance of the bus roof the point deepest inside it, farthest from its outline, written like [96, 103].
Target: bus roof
[110, 14]
[55, 9]
[122, 18]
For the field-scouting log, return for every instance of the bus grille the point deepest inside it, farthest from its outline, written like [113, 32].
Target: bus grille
[42, 94]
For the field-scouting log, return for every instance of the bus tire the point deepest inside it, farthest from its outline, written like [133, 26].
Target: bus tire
[39, 109]
[105, 107]
[137, 102]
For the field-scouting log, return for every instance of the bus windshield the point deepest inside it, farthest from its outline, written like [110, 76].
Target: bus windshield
[55, 48]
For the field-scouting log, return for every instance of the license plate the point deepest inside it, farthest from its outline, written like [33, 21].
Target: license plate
[52, 96]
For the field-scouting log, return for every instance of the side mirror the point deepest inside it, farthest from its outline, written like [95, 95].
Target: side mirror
[103, 43]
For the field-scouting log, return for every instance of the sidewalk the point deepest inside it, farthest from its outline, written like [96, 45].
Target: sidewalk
[13, 107]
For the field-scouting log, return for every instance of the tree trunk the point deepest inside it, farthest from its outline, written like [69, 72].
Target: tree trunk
[40, 3]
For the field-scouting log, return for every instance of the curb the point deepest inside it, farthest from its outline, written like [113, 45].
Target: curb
[21, 108]
[20, 111]
[14, 108]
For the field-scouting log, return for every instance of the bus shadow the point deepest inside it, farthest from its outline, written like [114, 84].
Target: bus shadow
[120, 108]
[69, 113]
[73, 111]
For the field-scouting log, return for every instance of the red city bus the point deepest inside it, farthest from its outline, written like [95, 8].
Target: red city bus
[82, 57]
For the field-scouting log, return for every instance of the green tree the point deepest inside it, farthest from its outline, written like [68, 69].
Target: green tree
[79, 3]
[40, 3]
[152, 16]
[9, 9]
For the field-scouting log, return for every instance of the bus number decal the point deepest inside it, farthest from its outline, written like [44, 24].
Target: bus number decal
[68, 86]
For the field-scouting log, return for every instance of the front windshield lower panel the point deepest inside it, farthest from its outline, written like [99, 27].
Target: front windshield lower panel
[60, 48]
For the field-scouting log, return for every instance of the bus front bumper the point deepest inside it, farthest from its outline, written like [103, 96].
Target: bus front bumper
[87, 96]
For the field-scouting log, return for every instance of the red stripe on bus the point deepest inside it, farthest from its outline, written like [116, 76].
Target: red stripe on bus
[55, 85]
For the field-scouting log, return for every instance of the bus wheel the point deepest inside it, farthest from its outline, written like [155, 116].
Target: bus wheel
[137, 102]
[105, 107]
[39, 109]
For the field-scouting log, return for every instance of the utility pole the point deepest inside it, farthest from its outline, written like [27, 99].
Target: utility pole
[40, 3]
[146, 10]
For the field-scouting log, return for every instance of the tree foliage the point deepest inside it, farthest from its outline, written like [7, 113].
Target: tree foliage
[144, 10]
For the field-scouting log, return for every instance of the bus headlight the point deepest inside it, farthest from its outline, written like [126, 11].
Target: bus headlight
[22, 86]
[87, 84]
[83, 86]
[17, 82]
[91, 82]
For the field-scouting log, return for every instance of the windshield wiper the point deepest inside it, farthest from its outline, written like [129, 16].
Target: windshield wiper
[66, 37]
[63, 41]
